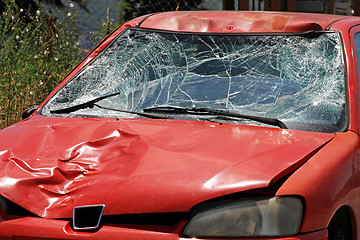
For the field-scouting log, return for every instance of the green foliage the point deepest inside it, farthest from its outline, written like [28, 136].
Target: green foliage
[36, 54]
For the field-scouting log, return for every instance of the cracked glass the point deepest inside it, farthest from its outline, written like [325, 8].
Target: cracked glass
[298, 79]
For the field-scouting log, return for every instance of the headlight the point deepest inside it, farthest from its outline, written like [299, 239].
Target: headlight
[280, 216]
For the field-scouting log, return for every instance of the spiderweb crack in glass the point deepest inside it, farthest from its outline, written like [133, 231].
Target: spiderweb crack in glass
[298, 78]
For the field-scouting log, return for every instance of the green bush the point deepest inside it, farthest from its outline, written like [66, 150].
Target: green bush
[36, 53]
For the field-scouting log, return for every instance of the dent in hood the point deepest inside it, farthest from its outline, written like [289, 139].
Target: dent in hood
[141, 166]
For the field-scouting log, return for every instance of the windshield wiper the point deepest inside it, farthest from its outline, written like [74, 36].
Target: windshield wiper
[89, 104]
[92, 103]
[210, 111]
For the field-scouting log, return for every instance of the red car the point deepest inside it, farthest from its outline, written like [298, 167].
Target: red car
[195, 125]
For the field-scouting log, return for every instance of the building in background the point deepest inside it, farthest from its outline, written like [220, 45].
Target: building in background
[344, 7]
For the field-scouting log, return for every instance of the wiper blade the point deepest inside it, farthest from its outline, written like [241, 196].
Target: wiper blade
[89, 104]
[92, 103]
[143, 114]
[210, 111]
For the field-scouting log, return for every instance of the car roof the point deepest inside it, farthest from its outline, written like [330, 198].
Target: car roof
[237, 21]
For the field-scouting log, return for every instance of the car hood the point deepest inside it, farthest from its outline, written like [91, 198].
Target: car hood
[51, 165]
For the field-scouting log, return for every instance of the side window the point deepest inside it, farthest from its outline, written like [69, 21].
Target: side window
[357, 49]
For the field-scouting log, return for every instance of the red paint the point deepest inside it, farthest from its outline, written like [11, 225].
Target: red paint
[152, 166]
[243, 21]
[230, 27]
[57, 229]
[145, 159]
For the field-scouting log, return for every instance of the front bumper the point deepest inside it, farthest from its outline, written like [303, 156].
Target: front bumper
[31, 228]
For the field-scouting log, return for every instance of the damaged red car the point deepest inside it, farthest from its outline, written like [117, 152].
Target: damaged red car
[195, 125]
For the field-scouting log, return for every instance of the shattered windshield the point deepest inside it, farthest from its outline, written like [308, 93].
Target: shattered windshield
[298, 79]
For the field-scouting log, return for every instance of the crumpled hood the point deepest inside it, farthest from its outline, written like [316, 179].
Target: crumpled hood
[50, 165]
